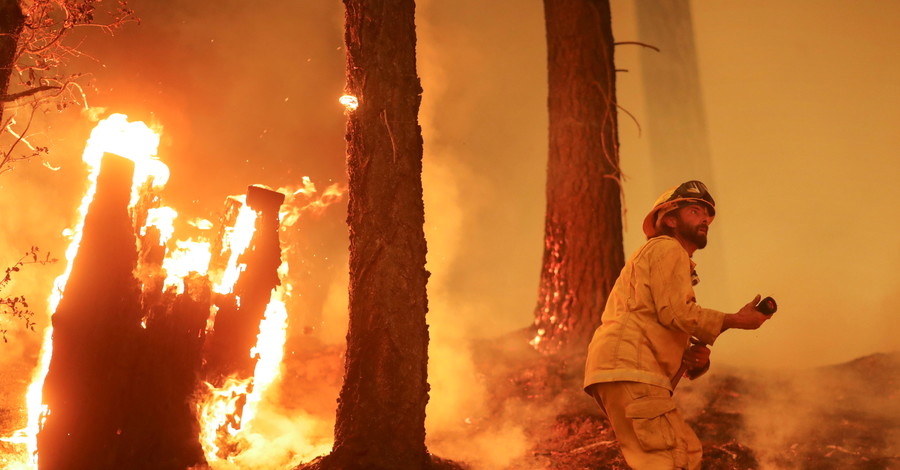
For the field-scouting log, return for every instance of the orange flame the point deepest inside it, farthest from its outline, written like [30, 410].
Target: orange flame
[350, 102]
[216, 413]
[229, 408]
[132, 140]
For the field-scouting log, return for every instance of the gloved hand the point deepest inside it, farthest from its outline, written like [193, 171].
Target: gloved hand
[696, 360]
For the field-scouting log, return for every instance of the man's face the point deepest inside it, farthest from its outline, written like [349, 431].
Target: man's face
[693, 224]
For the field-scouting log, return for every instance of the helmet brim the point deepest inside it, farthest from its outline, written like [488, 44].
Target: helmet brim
[651, 226]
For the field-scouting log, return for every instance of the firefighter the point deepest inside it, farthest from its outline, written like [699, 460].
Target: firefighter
[652, 329]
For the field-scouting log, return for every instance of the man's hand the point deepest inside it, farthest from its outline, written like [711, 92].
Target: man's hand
[747, 318]
[696, 360]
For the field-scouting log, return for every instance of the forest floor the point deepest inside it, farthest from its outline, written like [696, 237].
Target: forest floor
[844, 416]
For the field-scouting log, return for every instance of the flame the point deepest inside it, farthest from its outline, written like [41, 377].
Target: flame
[216, 413]
[350, 102]
[187, 257]
[132, 140]
[227, 409]
[163, 218]
[237, 239]
[303, 199]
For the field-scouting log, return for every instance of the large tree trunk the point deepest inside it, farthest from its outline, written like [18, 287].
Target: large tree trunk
[583, 229]
[381, 412]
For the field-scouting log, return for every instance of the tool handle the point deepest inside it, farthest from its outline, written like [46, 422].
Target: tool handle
[767, 306]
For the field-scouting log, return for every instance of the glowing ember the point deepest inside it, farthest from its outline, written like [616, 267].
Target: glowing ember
[350, 102]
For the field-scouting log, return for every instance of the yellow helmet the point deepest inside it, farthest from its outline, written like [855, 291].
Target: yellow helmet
[690, 191]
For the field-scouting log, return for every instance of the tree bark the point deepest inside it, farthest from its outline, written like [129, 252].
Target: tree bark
[11, 23]
[381, 411]
[583, 251]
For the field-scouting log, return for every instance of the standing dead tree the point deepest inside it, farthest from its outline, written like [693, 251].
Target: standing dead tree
[583, 251]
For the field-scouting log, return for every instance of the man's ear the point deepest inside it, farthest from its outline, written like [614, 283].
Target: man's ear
[669, 220]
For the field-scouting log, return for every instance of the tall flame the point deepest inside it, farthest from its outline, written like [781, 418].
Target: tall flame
[132, 140]
[218, 411]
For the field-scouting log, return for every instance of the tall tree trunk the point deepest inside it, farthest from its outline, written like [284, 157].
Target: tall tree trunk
[583, 251]
[381, 412]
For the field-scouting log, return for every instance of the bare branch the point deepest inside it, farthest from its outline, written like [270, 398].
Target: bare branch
[634, 119]
[27, 93]
[636, 43]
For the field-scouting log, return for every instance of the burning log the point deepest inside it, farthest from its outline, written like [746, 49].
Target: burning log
[230, 360]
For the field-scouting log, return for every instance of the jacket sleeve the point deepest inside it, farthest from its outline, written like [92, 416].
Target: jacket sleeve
[673, 296]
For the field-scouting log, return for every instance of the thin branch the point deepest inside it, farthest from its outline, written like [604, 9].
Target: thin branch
[20, 137]
[27, 93]
[634, 119]
[636, 43]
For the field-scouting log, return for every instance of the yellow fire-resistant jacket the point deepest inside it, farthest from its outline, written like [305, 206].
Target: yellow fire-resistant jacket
[649, 318]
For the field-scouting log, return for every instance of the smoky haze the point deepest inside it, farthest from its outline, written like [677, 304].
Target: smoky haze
[801, 115]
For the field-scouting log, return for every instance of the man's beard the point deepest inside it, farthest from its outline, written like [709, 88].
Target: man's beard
[693, 234]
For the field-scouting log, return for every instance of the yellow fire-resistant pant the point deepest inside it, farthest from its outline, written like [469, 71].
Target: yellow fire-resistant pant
[651, 432]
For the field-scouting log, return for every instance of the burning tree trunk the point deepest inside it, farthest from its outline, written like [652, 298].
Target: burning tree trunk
[237, 326]
[381, 412]
[583, 251]
[163, 430]
[95, 329]
[122, 387]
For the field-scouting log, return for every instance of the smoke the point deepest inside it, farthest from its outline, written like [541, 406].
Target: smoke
[276, 439]
[825, 412]
[485, 152]
[784, 137]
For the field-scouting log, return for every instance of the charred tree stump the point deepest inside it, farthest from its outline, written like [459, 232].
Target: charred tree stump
[119, 394]
[237, 321]
[96, 333]
[163, 429]
[162, 432]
